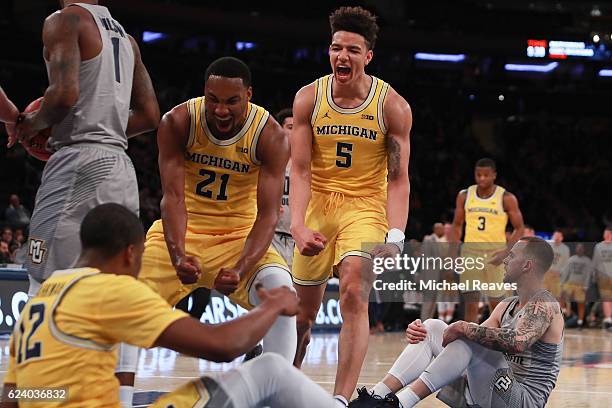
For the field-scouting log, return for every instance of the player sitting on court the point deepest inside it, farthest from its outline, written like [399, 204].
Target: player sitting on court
[66, 337]
[512, 359]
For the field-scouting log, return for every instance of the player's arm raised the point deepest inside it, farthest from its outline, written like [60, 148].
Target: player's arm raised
[308, 242]
[398, 116]
[61, 41]
[537, 317]
[8, 114]
[224, 342]
[144, 109]
[273, 152]
[172, 137]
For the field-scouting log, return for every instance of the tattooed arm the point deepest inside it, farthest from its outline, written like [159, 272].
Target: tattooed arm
[144, 110]
[537, 316]
[398, 117]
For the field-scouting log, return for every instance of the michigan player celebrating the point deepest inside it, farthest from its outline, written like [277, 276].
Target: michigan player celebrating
[349, 186]
[64, 344]
[485, 208]
[222, 161]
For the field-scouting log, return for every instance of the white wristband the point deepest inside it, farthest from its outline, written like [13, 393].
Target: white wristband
[395, 236]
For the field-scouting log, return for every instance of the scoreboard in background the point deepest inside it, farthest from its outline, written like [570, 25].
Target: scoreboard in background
[557, 49]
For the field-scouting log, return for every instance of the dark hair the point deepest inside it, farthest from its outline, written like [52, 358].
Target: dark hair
[229, 67]
[486, 162]
[355, 20]
[541, 251]
[110, 228]
[284, 114]
[558, 230]
[608, 228]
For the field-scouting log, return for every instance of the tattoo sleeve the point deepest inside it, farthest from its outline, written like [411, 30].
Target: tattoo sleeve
[393, 158]
[536, 317]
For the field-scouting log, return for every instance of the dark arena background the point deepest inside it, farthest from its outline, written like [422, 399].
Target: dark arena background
[526, 83]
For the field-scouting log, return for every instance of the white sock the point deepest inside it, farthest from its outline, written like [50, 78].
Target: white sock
[126, 395]
[408, 398]
[579, 322]
[381, 389]
[341, 401]
[608, 320]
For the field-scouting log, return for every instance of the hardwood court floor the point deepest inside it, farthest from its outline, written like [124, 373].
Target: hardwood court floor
[579, 384]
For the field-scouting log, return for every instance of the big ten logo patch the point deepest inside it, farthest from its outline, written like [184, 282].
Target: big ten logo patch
[502, 383]
[367, 117]
[36, 250]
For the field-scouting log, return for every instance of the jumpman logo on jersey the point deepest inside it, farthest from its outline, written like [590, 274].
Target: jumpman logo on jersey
[326, 115]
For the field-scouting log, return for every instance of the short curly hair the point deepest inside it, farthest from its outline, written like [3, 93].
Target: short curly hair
[355, 20]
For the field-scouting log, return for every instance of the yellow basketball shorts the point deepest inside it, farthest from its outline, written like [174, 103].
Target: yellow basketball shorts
[353, 226]
[552, 283]
[489, 274]
[575, 292]
[214, 251]
[201, 393]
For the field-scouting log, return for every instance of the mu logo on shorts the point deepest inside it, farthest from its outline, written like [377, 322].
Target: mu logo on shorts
[36, 250]
[503, 383]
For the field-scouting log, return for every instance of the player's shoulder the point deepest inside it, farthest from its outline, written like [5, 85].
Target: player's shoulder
[66, 16]
[396, 101]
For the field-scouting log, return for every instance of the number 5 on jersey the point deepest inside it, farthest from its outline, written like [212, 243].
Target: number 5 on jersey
[344, 150]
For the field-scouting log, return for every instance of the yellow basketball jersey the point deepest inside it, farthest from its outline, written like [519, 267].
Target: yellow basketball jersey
[485, 218]
[66, 335]
[221, 175]
[349, 145]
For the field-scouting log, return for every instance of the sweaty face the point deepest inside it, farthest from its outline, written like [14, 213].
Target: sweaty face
[226, 105]
[484, 176]
[348, 55]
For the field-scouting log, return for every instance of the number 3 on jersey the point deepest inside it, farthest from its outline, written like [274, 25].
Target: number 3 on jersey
[210, 177]
[35, 317]
[344, 150]
[482, 223]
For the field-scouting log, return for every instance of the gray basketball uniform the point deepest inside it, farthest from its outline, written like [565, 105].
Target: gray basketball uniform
[282, 240]
[89, 166]
[578, 269]
[516, 380]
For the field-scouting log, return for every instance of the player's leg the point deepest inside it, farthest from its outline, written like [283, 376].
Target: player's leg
[127, 363]
[281, 337]
[310, 302]
[282, 386]
[470, 306]
[484, 367]
[414, 359]
[355, 284]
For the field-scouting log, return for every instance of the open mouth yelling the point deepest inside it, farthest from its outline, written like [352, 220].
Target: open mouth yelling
[343, 72]
[224, 125]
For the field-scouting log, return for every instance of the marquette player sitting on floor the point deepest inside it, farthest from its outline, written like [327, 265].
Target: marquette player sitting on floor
[222, 162]
[485, 208]
[67, 334]
[512, 359]
[349, 186]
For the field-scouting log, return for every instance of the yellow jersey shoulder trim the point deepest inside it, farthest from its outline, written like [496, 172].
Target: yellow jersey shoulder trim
[319, 85]
[260, 126]
[252, 110]
[191, 109]
[67, 338]
[381, 104]
[364, 104]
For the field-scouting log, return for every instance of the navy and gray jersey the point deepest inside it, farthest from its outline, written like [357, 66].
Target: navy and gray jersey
[537, 368]
[105, 88]
[578, 269]
[602, 259]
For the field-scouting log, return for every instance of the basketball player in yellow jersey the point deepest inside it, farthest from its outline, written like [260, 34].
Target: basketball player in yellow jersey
[66, 337]
[349, 186]
[485, 208]
[222, 162]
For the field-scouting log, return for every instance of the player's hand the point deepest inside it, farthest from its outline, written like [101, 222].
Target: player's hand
[283, 297]
[453, 332]
[309, 242]
[188, 269]
[25, 128]
[385, 251]
[227, 281]
[416, 332]
[12, 135]
[498, 257]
